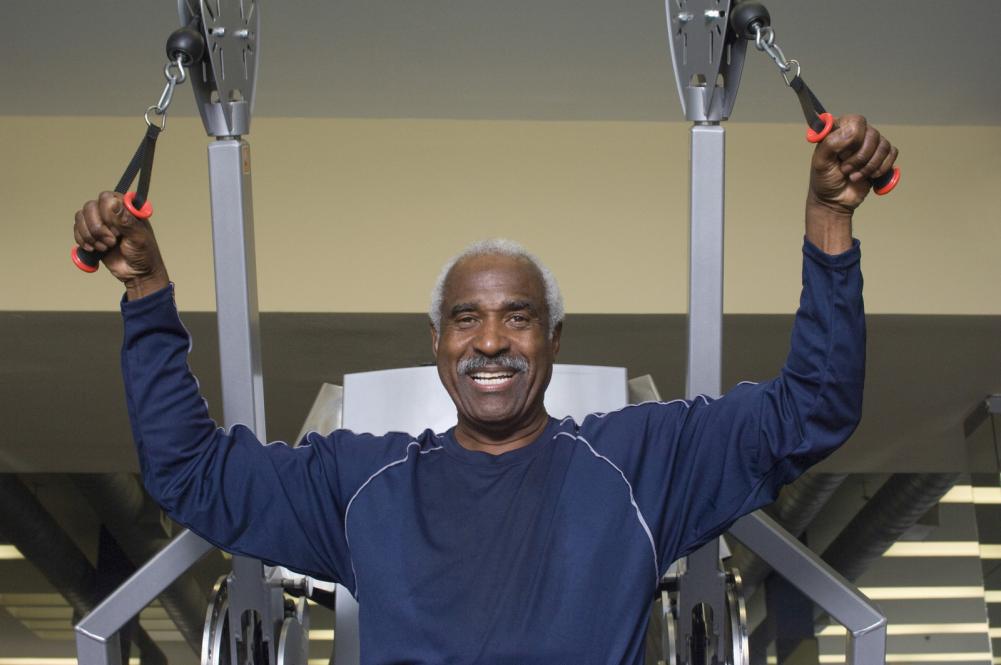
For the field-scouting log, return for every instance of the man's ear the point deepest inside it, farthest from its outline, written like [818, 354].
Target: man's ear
[434, 339]
[557, 332]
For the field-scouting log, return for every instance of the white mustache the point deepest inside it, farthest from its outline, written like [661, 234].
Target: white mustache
[469, 365]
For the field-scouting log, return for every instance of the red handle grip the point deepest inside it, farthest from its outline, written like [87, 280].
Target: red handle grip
[144, 212]
[818, 135]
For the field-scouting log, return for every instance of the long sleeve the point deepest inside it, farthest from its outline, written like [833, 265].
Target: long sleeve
[695, 467]
[281, 504]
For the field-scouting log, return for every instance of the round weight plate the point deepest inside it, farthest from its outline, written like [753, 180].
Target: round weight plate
[736, 626]
[293, 643]
[215, 632]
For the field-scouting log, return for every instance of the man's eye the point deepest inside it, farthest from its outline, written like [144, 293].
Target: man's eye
[465, 321]
[519, 319]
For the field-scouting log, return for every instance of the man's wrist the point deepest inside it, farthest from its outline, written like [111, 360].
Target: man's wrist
[139, 287]
[829, 227]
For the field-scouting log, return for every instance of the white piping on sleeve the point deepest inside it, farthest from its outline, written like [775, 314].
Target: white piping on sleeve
[347, 540]
[602, 414]
[632, 500]
[705, 400]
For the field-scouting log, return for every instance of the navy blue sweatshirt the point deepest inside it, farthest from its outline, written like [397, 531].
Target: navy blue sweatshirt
[548, 554]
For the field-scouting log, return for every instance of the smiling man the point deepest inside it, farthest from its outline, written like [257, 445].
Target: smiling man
[513, 537]
[496, 318]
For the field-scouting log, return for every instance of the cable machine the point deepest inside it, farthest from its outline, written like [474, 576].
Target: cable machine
[708, 48]
[249, 620]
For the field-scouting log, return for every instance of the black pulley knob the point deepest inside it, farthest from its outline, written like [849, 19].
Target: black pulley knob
[744, 16]
[186, 44]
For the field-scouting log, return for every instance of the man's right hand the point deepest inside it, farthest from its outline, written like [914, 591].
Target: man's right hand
[130, 250]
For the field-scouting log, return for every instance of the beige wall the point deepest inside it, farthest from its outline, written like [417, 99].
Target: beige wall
[357, 215]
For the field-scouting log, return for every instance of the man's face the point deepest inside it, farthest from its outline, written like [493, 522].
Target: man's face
[494, 352]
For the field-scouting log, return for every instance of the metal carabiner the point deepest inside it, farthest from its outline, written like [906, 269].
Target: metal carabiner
[182, 73]
[168, 90]
[165, 97]
[764, 40]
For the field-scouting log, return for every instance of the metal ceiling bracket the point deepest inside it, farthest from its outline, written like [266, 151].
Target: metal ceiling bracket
[225, 83]
[708, 57]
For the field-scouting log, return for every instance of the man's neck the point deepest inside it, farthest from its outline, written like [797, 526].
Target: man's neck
[496, 442]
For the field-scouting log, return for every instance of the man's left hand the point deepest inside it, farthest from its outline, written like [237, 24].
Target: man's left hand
[846, 161]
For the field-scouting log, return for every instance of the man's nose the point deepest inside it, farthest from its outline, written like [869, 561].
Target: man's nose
[492, 339]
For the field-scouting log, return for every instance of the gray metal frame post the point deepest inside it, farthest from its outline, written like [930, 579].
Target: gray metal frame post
[708, 59]
[806, 571]
[703, 580]
[707, 66]
[705, 262]
[97, 633]
[256, 609]
[253, 604]
[225, 102]
[236, 284]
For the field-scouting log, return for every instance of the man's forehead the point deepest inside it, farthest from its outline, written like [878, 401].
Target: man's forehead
[494, 276]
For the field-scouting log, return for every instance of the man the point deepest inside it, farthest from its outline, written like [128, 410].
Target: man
[514, 537]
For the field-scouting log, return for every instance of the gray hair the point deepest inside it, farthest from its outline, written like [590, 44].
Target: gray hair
[554, 299]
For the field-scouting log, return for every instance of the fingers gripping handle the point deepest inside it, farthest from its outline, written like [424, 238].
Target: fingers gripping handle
[822, 125]
[90, 261]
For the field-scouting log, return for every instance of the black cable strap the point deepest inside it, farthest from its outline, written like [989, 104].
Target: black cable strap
[141, 163]
[812, 108]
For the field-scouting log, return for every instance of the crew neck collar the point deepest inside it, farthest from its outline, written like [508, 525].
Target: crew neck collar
[456, 449]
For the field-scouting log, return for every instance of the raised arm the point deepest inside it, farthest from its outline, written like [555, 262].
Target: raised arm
[274, 502]
[697, 466]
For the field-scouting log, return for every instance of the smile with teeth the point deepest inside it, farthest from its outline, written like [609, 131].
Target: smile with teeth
[491, 378]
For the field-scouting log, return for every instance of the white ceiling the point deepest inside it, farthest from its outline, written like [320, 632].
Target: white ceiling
[906, 61]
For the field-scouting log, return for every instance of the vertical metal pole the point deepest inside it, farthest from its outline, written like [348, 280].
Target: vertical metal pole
[707, 61]
[236, 284]
[225, 89]
[704, 581]
[868, 646]
[95, 650]
[705, 262]
[251, 602]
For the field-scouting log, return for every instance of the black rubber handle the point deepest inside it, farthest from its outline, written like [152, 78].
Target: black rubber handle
[885, 183]
[84, 260]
